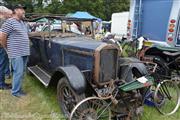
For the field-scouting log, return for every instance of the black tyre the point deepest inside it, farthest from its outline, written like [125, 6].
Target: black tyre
[67, 97]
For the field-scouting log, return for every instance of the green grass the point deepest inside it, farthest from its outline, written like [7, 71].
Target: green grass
[150, 113]
[41, 104]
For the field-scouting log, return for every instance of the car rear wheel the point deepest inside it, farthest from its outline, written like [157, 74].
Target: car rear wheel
[67, 97]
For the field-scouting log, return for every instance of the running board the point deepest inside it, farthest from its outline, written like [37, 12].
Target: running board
[43, 77]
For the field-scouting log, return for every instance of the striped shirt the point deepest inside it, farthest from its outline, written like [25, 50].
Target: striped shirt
[18, 40]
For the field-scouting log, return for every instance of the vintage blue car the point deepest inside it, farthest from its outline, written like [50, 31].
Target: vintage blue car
[80, 66]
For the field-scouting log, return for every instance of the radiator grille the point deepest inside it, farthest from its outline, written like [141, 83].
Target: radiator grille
[108, 64]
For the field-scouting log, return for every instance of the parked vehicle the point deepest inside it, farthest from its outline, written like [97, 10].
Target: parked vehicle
[57, 27]
[88, 71]
[157, 20]
[167, 58]
[119, 24]
[81, 67]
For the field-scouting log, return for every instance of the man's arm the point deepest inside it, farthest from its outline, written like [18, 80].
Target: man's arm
[5, 30]
[3, 39]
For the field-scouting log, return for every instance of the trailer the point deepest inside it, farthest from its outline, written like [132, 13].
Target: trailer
[119, 23]
[157, 20]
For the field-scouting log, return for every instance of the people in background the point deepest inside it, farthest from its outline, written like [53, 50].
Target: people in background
[5, 13]
[14, 36]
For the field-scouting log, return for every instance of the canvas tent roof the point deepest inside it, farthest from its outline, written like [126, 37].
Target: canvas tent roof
[81, 14]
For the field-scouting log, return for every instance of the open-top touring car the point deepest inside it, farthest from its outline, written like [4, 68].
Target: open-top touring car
[81, 67]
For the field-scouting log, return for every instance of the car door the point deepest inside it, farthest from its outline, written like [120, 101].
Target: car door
[43, 52]
[53, 54]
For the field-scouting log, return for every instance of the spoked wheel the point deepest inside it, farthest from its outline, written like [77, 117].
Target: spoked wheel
[167, 97]
[92, 108]
[67, 97]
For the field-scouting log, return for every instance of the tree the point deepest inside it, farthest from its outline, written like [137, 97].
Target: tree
[95, 7]
[99, 8]
[27, 3]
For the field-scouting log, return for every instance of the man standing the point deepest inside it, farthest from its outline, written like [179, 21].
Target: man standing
[14, 35]
[4, 61]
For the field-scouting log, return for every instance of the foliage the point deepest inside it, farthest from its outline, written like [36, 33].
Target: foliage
[99, 8]
[27, 3]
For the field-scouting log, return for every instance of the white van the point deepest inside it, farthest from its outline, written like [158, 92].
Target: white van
[119, 23]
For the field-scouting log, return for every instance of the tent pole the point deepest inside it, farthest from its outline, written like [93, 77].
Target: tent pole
[93, 31]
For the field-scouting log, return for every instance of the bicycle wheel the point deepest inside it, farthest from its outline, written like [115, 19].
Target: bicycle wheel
[167, 97]
[91, 108]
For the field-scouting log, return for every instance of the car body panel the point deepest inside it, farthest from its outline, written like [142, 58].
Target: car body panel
[81, 51]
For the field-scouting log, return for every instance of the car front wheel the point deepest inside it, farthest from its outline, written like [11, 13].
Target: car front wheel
[67, 97]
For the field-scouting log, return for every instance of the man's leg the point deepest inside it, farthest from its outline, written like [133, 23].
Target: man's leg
[25, 58]
[3, 64]
[7, 67]
[18, 71]
[2, 67]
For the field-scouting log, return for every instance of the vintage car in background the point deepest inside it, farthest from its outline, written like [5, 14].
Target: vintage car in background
[81, 67]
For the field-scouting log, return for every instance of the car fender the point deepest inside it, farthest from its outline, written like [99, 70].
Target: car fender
[134, 64]
[74, 76]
